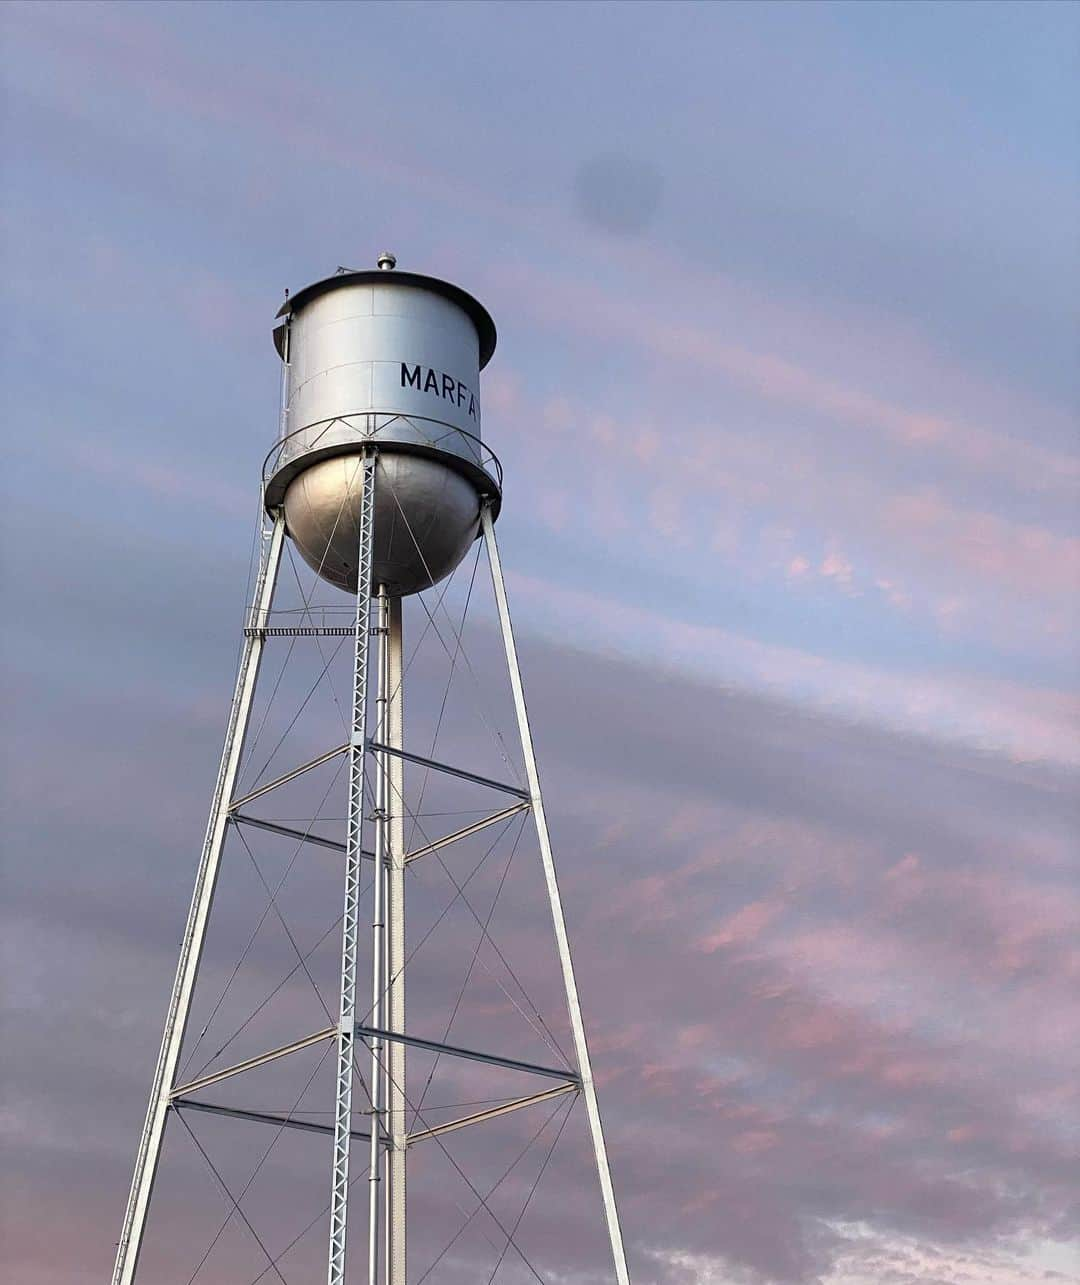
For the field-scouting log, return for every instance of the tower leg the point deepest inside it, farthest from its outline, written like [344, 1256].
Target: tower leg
[350, 932]
[146, 1160]
[395, 953]
[562, 942]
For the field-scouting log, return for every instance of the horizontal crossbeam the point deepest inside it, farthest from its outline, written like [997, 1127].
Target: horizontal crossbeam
[275, 827]
[492, 1113]
[251, 1063]
[451, 1050]
[467, 830]
[289, 776]
[378, 748]
[262, 1117]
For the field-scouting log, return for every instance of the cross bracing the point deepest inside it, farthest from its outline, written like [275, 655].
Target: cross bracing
[280, 815]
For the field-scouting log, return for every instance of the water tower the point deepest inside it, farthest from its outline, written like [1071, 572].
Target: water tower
[381, 480]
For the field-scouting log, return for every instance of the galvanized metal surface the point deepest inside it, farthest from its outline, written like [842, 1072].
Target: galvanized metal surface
[421, 761]
[477, 313]
[562, 941]
[253, 1063]
[358, 346]
[466, 831]
[469, 1055]
[274, 1118]
[309, 766]
[426, 517]
[349, 434]
[377, 1077]
[390, 360]
[492, 1113]
[396, 1119]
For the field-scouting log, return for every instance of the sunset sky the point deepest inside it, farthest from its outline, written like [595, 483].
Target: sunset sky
[786, 396]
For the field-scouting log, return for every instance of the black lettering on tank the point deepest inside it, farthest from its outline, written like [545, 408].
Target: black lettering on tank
[448, 387]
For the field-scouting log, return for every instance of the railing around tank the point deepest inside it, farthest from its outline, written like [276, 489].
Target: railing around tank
[332, 437]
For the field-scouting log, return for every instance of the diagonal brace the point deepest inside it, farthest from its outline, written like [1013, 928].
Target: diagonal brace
[466, 831]
[289, 776]
[252, 1062]
[492, 1113]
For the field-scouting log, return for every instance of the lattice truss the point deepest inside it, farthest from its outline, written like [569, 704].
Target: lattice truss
[486, 1067]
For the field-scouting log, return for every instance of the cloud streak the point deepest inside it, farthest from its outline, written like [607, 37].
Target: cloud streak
[791, 527]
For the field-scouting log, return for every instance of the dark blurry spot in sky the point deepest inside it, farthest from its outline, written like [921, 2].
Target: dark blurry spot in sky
[618, 193]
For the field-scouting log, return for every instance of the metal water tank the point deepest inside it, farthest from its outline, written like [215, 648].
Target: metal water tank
[386, 360]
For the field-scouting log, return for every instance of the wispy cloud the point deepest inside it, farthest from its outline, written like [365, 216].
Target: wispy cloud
[790, 520]
[1025, 723]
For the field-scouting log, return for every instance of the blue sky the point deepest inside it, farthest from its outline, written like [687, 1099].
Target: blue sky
[786, 394]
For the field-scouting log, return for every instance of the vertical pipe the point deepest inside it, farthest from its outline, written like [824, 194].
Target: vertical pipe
[350, 925]
[378, 945]
[562, 941]
[187, 970]
[395, 943]
[283, 422]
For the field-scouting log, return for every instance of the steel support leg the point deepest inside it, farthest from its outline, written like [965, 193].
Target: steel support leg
[146, 1160]
[577, 1026]
[350, 933]
[395, 957]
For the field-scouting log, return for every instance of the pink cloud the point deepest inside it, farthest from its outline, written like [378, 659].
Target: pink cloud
[754, 1142]
[1023, 557]
[777, 378]
[742, 928]
[764, 506]
[1027, 723]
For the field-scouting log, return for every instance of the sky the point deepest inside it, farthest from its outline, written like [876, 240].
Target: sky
[786, 397]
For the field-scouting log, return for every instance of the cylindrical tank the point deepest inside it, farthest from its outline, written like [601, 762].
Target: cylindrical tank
[389, 360]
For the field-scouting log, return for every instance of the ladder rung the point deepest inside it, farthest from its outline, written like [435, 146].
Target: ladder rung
[300, 631]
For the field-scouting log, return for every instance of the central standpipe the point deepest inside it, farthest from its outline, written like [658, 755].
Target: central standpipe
[387, 1155]
[378, 940]
[395, 952]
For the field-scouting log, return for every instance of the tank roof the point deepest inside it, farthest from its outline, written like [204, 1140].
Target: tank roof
[474, 310]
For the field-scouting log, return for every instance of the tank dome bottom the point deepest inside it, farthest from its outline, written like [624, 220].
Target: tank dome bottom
[426, 517]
